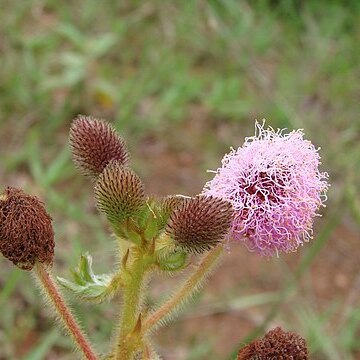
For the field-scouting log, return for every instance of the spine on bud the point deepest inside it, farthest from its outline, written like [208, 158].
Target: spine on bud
[119, 193]
[199, 224]
[94, 143]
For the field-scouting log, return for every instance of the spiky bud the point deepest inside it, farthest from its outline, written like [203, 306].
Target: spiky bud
[119, 192]
[170, 203]
[94, 143]
[26, 232]
[276, 344]
[167, 205]
[200, 223]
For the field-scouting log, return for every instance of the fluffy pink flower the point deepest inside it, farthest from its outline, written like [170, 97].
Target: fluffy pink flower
[275, 186]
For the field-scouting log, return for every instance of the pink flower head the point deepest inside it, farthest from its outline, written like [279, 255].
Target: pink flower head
[275, 187]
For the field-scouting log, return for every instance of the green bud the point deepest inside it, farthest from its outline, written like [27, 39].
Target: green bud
[119, 193]
[173, 261]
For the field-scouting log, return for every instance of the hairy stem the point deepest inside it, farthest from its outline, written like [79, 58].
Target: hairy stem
[50, 289]
[129, 338]
[190, 286]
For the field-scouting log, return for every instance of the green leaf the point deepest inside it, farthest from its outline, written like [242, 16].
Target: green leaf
[88, 286]
[85, 268]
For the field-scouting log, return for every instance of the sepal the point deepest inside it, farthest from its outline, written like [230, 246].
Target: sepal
[154, 215]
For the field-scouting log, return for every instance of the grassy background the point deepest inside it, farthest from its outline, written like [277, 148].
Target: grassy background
[182, 82]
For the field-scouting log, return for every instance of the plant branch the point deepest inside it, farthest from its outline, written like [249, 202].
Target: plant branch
[129, 339]
[190, 286]
[50, 289]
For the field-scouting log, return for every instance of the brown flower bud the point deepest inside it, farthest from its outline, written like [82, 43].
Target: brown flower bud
[26, 233]
[167, 205]
[119, 192]
[276, 344]
[200, 223]
[94, 143]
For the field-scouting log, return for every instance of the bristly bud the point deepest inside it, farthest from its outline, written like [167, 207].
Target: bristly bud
[119, 192]
[200, 223]
[172, 202]
[26, 232]
[167, 206]
[94, 143]
[276, 344]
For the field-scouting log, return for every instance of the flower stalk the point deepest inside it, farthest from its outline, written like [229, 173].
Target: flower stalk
[69, 322]
[129, 339]
[190, 286]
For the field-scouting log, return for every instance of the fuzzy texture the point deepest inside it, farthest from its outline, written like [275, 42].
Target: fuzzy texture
[94, 143]
[62, 311]
[275, 186]
[200, 223]
[171, 202]
[276, 344]
[166, 206]
[185, 292]
[26, 232]
[119, 192]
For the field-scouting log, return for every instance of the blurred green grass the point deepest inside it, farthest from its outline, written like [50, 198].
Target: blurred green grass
[191, 76]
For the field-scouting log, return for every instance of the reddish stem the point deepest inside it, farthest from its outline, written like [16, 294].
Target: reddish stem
[64, 312]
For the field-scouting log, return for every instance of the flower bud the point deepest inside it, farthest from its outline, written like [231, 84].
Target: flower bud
[167, 205]
[276, 344]
[26, 233]
[173, 261]
[119, 192]
[94, 143]
[200, 223]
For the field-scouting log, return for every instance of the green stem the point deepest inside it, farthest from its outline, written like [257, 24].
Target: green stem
[190, 286]
[50, 289]
[129, 338]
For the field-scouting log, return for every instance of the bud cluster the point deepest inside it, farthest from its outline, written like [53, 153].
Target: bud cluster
[194, 224]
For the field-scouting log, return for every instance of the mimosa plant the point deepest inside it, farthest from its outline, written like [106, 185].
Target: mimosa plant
[265, 195]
